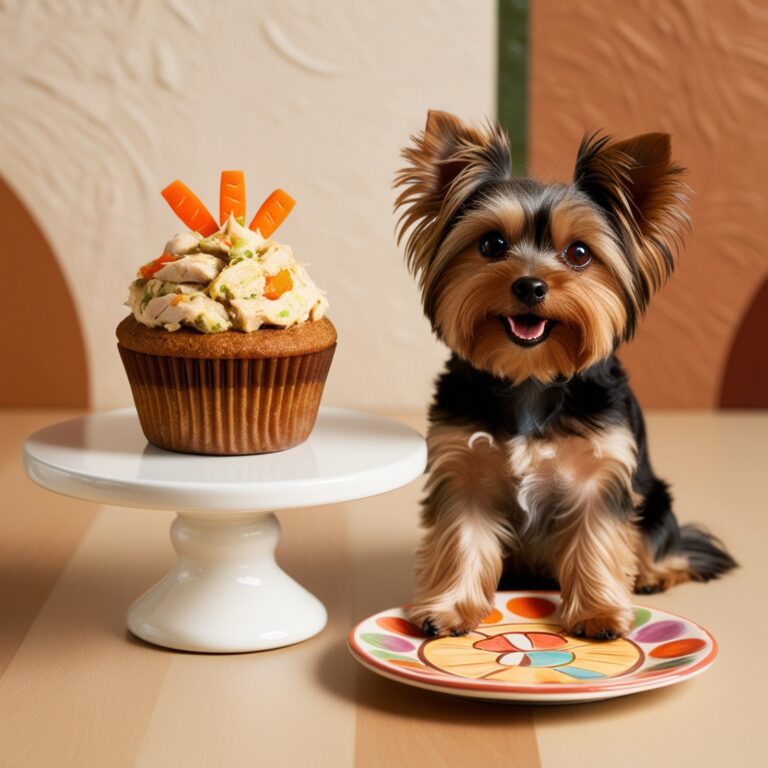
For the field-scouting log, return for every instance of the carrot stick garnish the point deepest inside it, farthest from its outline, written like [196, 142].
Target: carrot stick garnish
[232, 196]
[148, 270]
[278, 284]
[187, 206]
[272, 213]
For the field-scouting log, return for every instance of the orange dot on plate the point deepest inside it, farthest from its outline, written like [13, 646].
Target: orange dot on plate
[678, 648]
[542, 641]
[399, 625]
[531, 607]
[494, 617]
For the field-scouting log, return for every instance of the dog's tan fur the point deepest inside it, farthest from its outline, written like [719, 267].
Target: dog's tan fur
[572, 486]
[470, 294]
[549, 503]
[461, 556]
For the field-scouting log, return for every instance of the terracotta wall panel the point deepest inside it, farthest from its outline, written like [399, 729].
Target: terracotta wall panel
[42, 351]
[698, 70]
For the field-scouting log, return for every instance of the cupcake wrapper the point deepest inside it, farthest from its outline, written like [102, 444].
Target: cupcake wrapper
[227, 406]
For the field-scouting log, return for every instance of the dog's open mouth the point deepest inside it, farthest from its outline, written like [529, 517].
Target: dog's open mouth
[527, 330]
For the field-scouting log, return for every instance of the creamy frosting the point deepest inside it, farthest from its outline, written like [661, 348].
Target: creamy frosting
[232, 280]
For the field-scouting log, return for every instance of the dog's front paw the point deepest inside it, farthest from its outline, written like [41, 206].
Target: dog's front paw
[438, 619]
[607, 625]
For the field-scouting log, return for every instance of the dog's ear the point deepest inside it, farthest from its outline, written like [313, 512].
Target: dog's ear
[643, 192]
[445, 164]
[444, 135]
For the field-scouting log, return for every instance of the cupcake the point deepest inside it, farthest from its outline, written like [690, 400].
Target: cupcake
[227, 347]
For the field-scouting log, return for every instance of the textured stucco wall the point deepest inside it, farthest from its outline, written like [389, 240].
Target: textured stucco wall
[104, 103]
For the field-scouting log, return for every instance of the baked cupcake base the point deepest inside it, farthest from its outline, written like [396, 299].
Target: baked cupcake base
[227, 393]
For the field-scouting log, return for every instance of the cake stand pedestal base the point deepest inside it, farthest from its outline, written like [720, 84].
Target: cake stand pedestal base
[226, 593]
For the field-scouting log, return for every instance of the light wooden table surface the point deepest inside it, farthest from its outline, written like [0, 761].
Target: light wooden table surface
[77, 690]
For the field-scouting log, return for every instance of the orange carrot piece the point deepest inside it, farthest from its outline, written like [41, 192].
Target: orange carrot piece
[187, 206]
[148, 270]
[278, 284]
[232, 195]
[272, 213]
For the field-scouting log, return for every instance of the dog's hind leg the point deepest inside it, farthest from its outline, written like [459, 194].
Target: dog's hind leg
[669, 554]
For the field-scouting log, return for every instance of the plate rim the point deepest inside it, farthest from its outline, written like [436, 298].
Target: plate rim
[521, 697]
[653, 681]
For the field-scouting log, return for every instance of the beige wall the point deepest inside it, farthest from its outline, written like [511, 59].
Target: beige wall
[103, 104]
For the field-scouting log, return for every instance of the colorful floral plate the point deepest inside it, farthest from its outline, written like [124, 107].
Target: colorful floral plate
[520, 653]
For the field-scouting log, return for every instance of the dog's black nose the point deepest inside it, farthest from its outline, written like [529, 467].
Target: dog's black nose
[530, 290]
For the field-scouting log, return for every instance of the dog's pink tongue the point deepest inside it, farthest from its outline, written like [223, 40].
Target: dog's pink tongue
[527, 327]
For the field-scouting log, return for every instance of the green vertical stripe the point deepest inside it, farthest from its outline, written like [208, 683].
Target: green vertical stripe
[512, 94]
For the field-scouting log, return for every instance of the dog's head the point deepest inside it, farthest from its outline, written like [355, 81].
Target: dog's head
[524, 279]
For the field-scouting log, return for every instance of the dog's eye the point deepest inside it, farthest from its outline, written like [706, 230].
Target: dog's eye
[577, 255]
[493, 245]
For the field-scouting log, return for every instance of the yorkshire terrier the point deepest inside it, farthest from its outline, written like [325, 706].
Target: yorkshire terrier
[538, 459]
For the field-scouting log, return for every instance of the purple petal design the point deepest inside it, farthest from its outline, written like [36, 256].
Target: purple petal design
[659, 631]
[387, 642]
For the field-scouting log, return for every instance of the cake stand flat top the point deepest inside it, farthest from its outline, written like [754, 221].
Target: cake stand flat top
[104, 457]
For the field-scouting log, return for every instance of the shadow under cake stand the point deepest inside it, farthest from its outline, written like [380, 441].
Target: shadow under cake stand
[226, 593]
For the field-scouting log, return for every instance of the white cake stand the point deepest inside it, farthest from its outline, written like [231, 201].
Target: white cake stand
[225, 593]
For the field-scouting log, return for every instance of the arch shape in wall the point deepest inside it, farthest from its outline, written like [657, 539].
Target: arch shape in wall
[745, 380]
[41, 343]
